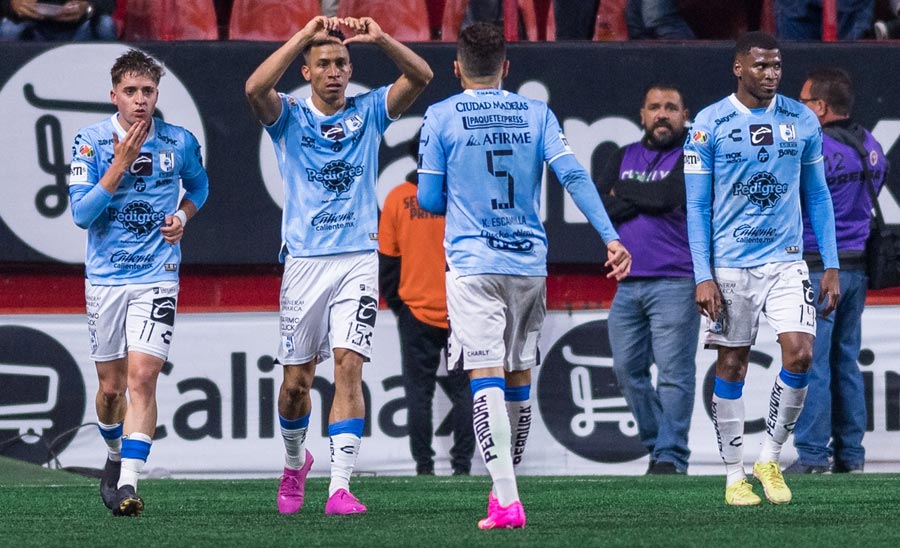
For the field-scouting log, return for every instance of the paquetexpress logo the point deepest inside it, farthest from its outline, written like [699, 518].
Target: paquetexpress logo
[42, 395]
[580, 401]
[40, 121]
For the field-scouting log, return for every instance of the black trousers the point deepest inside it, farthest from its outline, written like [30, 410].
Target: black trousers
[421, 345]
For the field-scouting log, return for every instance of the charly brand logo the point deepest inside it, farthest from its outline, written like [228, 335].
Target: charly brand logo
[40, 121]
[580, 401]
[42, 395]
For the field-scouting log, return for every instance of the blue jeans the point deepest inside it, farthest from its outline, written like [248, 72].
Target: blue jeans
[835, 407]
[802, 19]
[102, 27]
[648, 19]
[657, 320]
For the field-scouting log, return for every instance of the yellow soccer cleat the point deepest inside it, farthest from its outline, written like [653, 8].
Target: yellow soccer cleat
[741, 494]
[769, 474]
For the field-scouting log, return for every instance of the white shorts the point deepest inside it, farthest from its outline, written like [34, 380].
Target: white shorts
[127, 318]
[495, 320]
[781, 291]
[336, 295]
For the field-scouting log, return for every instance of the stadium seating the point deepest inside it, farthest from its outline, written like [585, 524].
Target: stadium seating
[150, 20]
[405, 20]
[274, 20]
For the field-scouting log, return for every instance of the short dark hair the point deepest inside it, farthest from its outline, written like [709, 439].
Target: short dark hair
[663, 86]
[755, 39]
[332, 34]
[834, 86]
[138, 63]
[481, 49]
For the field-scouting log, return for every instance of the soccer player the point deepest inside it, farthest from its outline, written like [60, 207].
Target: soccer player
[481, 155]
[327, 150]
[124, 190]
[750, 160]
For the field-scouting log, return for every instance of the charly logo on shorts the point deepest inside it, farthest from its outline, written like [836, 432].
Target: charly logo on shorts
[337, 176]
[367, 311]
[42, 396]
[580, 401]
[137, 217]
[163, 311]
[41, 117]
[763, 190]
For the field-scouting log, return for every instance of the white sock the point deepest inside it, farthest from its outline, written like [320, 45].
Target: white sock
[113, 441]
[520, 423]
[344, 449]
[492, 437]
[728, 419]
[785, 405]
[294, 447]
[133, 465]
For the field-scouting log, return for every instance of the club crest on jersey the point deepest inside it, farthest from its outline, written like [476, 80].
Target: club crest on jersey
[167, 160]
[763, 190]
[787, 131]
[700, 137]
[334, 132]
[353, 123]
[142, 165]
[337, 176]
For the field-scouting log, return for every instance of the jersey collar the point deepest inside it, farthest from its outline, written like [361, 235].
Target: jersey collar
[744, 110]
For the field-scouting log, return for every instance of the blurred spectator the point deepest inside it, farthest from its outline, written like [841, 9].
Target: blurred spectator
[57, 20]
[575, 18]
[649, 19]
[483, 11]
[802, 19]
[889, 30]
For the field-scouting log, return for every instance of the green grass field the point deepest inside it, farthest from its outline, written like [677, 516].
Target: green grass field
[40, 507]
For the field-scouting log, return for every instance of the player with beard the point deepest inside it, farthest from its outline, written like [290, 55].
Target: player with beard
[653, 318]
[750, 162]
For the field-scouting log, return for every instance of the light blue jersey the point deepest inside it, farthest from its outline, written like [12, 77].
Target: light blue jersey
[746, 173]
[329, 165]
[486, 150]
[125, 245]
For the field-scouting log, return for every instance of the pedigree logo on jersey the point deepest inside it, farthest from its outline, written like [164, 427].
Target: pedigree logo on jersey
[761, 135]
[763, 190]
[137, 217]
[580, 401]
[42, 396]
[41, 119]
[337, 176]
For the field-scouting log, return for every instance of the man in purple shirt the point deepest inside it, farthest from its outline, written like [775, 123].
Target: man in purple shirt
[654, 318]
[835, 407]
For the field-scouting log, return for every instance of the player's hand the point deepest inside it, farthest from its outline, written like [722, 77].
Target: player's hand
[126, 151]
[173, 230]
[319, 26]
[366, 29]
[709, 299]
[618, 259]
[73, 11]
[25, 9]
[830, 289]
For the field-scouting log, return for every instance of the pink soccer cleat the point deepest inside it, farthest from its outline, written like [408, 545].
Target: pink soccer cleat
[510, 517]
[493, 504]
[292, 486]
[343, 503]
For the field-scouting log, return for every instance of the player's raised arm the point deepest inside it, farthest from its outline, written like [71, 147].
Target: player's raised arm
[416, 72]
[260, 87]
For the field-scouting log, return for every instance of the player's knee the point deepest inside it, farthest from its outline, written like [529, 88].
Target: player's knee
[294, 391]
[799, 360]
[111, 394]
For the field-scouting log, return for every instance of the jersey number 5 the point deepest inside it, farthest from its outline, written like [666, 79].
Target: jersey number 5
[501, 174]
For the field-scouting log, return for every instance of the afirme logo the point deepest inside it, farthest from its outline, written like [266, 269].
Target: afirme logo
[40, 121]
[580, 401]
[42, 394]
